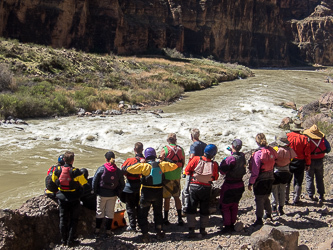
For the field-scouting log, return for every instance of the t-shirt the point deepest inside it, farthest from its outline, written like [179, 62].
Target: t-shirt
[198, 148]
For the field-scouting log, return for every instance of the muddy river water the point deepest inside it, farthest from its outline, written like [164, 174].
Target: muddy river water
[236, 109]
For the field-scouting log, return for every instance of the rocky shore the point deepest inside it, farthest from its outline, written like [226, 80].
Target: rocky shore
[308, 226]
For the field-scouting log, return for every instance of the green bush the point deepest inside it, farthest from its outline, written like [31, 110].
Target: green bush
[6, 78]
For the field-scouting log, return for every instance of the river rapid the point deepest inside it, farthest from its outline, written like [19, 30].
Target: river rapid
[235, 109]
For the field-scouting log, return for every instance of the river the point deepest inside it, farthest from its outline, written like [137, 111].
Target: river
[236, 109]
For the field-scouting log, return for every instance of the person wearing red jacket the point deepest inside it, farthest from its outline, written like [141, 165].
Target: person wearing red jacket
[300, 144]
[318, 146]
[200, 171]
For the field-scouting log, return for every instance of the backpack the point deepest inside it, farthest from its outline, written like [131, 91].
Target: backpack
[203, 172]
[267, 158]
[49, 184]
[65, 179]
[156, 175]
[238, 170]
[109, 180]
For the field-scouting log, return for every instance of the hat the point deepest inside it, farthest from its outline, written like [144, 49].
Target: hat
[282, 139]
[237, 144]
[110, 155]
[314, 132]
[296, 126]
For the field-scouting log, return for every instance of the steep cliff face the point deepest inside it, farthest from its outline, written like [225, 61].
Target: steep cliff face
[252, 32]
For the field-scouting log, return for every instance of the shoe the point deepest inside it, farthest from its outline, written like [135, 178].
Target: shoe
[131, 229]
[286, 203]
[180, 222]
[281, 210]
[191, 234]
[96, 233]
[321, 202]
[73, 243]
[258, 222]
[166, 222]
[321, 197]
[227, 229]
[267, 216]
[145, 238]
[311, 197]
[160, 235]
[203, 231]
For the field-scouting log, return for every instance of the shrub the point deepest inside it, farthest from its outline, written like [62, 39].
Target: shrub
[6, 78]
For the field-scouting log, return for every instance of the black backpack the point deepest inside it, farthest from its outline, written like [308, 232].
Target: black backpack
[49, 184]
[109, 180]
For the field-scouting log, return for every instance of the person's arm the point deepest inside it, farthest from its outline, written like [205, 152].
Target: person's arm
[215, 170]
[307, 153]
[139, 168]
[79, 177]
[226, 164]
[255, 168]
[167, 166]
[96, 179]
[327, 145]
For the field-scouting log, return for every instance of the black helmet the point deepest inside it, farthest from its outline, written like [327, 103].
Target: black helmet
[61, 160]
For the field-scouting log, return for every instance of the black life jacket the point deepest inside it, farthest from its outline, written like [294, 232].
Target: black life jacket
[109, 179]
[238, 170]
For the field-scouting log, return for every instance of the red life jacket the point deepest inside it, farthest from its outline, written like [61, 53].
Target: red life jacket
[175, 154]
[318, 148]
[65, 179]
[130, 162]
[267, 158]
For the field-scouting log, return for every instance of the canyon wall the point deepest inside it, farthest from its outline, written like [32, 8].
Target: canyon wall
[250, 32]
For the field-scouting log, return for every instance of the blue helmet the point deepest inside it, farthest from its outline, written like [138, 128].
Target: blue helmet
[150, 153]
[61, 160]
[210, 150]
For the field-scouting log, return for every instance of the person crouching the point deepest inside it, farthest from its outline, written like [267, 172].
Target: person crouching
[200, 171]
[107, 182]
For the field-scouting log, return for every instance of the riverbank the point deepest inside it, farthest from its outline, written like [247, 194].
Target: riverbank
[39, 81]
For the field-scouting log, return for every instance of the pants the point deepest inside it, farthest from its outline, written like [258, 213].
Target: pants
[132, 207]
[262, 203]
[154, 197]
[105, 207]
[69, 217]
[278, 194]
[316, 170]
[199, 194]
[297, 168]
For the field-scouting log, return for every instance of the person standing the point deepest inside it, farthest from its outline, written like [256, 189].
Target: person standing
[151, 190]
[300, 144]
[281, 172]
[198, 147]
[171, 184]
[201, 171]
[262, 177]
[69, 181]
[131, 192]
[234, 168]
[318, 147]
[51, 187]
[107, 182]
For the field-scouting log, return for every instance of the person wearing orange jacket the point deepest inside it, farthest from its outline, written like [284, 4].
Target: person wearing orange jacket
[319, 146]
[300, 144]
[200, 172]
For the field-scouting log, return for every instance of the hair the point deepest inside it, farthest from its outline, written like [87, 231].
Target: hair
[195, 133]
[261, 140]
[69, 157]
[172, 138]
[112, 160]
[138, 147]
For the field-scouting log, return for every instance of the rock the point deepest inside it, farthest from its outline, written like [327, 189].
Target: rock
[121, 106]
[290, 105]
[98, 112]
[281, 237]
[115, 112]
[238, 226]
[285, 123]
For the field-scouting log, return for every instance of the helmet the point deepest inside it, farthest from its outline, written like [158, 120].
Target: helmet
[210, 150]
[61, 160]
[150, 153]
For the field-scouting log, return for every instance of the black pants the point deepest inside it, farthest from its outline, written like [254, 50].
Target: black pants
[69, 217]
[154, 197]
[132, 207]
[199, 194]
[297, 168]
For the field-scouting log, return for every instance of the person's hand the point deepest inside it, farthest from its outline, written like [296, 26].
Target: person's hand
[249, 187]
[307, 167]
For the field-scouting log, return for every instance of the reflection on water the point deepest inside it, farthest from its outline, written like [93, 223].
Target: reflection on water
[237, 109]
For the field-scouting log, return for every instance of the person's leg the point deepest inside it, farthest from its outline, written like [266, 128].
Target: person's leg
[157, 209]
[310, 181]
[298, 179]
[204, 208]
[275, 196]
[64, 219]
[259, 199]
[74, 220]
[319, 173]
[192, 210]
[166, 211]
[226, 212]
[109, 213]
[267, 206]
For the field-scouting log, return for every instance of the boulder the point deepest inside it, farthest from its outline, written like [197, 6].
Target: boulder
[326, 99]
[285, 123]
[290, 105]
[281, 237]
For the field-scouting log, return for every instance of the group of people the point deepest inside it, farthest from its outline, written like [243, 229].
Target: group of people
[152, 177]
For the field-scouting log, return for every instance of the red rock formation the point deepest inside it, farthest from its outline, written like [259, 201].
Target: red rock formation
[252, 32]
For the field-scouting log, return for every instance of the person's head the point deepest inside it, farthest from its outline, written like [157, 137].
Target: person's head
[261, 140]
[69, 157]
[210, 151]
[85, 172]
[281, 139]
[237, 145]
[172, 138]
[296, 126]
[110, 157]
[138, 148]
[150, 154]
[61, 160]
[195, 133]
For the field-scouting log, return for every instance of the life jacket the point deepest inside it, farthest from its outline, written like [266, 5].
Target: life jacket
[267, 158]
[130, 162]
[318, 148]
[175, 154]
[284, 156]
[156, 176]
[238, 170]
[109, 179]
[203, 172]
[65, 181]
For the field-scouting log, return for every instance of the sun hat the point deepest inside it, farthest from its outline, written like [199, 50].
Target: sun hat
[296, 126]
[314, 132]
[282, 139]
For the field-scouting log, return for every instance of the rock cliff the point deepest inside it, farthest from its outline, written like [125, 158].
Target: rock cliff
[252, 32]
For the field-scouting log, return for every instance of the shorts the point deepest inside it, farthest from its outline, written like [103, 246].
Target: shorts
[171, 188]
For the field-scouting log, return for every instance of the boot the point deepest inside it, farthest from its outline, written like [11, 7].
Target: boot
[180, 219]
[191, 233]
[274, 210]
[203, 231]
[287, 194]
[108, 224]
[258, 222]
[227, 229]
[281, 210]
[166, 216]
[98, 226]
